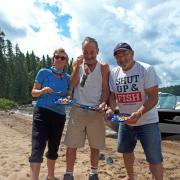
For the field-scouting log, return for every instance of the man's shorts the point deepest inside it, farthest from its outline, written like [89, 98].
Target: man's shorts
[82, 124]
[149, 136]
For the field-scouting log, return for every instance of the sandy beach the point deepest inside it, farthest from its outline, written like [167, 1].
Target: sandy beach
[15, 147]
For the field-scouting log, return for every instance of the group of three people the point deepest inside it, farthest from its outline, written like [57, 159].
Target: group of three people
[132, 86]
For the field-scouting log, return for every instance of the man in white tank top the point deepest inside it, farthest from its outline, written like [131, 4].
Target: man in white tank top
[134, 86]
[90, 82]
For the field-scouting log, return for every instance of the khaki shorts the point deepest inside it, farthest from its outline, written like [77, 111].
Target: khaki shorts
[82, 124]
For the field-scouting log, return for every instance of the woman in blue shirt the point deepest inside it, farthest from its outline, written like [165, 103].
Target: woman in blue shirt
[49, 118]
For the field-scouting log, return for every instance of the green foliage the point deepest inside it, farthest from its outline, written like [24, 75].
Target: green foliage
[171, 89]
[68, 68]
[18, 71]
[6, 104]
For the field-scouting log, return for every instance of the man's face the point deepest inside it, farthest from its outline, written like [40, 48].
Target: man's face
[124, 59]
[90, 52]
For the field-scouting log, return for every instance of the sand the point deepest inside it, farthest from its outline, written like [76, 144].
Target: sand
[15, 147]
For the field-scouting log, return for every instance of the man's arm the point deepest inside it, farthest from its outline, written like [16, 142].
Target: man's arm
[152, 100]
[111, 104]
[105, 82]
[75, 73]
[105, 85]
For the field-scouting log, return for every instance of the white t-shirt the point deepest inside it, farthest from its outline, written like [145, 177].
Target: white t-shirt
[91, 93]
[129, 87]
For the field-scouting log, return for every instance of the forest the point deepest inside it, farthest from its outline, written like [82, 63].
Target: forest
[18, 70]
[172, 90]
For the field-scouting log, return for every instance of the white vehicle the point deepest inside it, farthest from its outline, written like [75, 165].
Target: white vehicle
[169, 113]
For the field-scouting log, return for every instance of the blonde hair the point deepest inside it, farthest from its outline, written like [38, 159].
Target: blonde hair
[60, 50]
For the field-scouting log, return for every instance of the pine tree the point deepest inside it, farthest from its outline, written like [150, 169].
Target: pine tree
[2, 66]
[21, 90]
[10, 70]
[69, 67]
[48, 61]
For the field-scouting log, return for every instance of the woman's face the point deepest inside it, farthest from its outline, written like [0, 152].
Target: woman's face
[60, 60]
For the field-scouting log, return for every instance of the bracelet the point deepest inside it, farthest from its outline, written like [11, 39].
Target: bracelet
[139, 111]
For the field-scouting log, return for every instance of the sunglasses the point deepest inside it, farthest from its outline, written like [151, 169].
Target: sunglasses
[62, 58]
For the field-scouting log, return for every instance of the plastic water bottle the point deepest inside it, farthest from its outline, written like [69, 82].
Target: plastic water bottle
[101, 156]
[109, 160]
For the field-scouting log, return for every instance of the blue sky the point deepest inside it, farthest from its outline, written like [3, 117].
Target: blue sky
[152, 27]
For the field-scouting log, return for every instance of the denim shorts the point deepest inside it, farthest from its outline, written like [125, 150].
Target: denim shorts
[150, 139]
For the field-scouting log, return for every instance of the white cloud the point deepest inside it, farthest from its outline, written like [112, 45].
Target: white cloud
[152, 27]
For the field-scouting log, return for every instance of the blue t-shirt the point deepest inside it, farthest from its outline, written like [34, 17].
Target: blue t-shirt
[48, 79]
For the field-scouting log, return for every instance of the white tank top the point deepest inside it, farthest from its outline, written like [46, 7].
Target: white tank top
[91, 93]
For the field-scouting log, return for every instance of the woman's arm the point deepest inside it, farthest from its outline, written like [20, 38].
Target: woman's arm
[37, 91]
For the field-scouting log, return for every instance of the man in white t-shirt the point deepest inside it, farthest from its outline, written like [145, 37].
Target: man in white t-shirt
[134, 87]
[89, 79]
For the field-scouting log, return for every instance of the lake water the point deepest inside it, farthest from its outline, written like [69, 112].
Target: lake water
[27, 110]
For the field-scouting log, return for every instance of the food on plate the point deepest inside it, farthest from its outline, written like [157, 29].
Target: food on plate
[122, 118]
[64, 100]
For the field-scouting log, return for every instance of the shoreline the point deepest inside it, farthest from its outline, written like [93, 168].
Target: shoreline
[15, 137]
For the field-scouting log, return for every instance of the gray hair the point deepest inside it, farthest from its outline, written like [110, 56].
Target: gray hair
[90, 39]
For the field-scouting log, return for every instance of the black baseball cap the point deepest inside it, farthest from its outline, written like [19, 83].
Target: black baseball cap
[122, 47]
